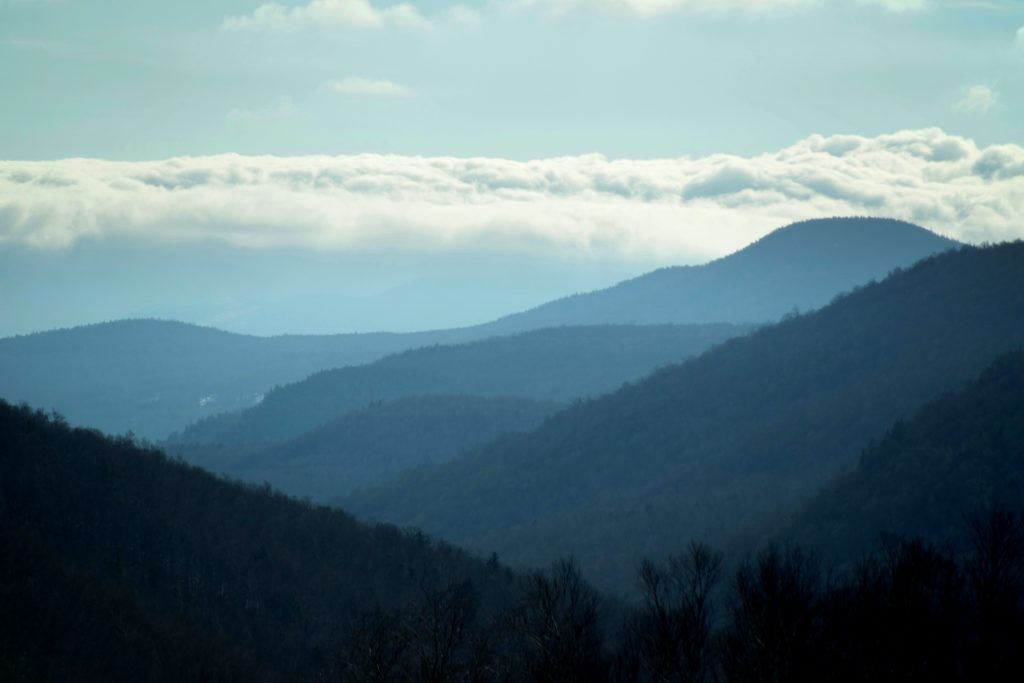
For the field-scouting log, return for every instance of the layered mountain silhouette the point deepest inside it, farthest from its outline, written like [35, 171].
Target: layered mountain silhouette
[375, 443]
[153, 377]
[555, 364]
[716, 445]
[928, 473]
[897, 407]
[798, 267]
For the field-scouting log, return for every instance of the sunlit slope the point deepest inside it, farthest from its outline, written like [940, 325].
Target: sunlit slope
[556, 364]
[718, 444]
[798, 267]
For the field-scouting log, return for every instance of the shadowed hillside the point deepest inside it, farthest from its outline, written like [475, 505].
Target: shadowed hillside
[169, 549]
[155, 376]
[556, 364]
[961, 452]
[715, 445]
[373, 444]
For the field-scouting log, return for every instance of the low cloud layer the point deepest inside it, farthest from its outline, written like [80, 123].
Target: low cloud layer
[362, 14]
[343, 14]
[665, 210]
[650, 8]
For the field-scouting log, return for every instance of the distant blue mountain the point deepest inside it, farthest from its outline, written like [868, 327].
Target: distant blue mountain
[799, 267]
[153, 377]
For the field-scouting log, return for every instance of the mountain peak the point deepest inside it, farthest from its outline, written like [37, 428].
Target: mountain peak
[859, 237]
[801, 266]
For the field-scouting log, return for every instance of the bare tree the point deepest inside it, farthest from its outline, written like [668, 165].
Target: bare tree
[670, 636]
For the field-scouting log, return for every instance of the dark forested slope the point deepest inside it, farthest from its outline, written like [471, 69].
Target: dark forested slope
[373, 444]
[555, 364]
[148, 543]
[716, 444]
[961, 452]
[153, 376]
[801, 266]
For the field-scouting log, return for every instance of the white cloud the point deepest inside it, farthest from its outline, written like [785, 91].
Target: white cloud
[979, 99]
[664, 211]
[284, 109]
[357, 86]
[1019, 39]
[898, 5]
[651, 8]
[356, 14]
[331, 14]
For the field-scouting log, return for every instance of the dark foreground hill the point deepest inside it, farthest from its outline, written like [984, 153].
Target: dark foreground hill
[801, 266]
[555, 364]
[718, 444]
[373, 444]
[115, 546]
[152, 376]
[961, 452]
[119, 565]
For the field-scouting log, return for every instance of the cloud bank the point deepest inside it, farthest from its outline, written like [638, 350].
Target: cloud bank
[651, 8]
[362, 14]
[898, 5]
[585, 207]
[345, 14]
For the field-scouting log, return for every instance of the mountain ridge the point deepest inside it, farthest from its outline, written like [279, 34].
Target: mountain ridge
[711, 445]
[800, 266]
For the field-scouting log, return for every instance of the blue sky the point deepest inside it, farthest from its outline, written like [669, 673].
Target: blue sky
[565, 144]
[145, 79]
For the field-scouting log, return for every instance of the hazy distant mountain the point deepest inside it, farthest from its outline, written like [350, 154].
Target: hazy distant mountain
[798, 267]
[375, 443]
[556, 364]
[717, 444]
[928, 472]
[152, 376]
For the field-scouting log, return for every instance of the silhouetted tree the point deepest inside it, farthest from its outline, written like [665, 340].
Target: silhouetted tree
[772, 632]
[994, 574]
[669, 638]
[557, 627]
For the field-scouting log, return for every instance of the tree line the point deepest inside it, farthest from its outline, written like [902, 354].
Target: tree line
[909, 611]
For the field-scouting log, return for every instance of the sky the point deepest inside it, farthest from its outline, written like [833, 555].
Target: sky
[349, 165]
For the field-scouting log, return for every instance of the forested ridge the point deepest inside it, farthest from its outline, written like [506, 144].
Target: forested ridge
[554, 364]
[960, 451]
[121, 565]
[833, 497]
[276, 577]
[152, 377]
[372, 444]
[714, 445]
